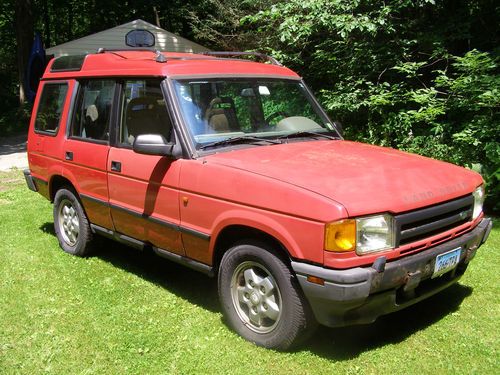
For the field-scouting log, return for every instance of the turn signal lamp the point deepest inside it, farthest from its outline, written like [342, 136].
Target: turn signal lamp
[340, 236]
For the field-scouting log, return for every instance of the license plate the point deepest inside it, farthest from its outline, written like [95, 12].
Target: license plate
[446, 262]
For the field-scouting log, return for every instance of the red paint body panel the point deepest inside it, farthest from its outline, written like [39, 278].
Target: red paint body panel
[366, 179]
[46, 151]
[139, 64]
[220, 196]
[87, 172]
[148, 186]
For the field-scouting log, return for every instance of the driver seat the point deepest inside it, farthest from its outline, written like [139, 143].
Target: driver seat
[221, 115]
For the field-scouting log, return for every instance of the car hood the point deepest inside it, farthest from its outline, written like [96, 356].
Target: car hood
[365, 179]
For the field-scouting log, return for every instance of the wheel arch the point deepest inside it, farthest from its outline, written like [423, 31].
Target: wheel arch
[237, 233]
[56, 182]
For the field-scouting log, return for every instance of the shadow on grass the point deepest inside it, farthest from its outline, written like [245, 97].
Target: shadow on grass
[349, 342]
[177, 279]
[332, 343]
[48, 228]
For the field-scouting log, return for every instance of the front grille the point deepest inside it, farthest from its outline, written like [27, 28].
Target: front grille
[416, 225]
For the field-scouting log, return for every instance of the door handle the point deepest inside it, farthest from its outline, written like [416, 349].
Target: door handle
[68, 155]
[116, 166]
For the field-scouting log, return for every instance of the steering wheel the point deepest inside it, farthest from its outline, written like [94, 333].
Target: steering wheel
[276, 114]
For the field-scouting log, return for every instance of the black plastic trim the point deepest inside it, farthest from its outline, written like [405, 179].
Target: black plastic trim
[29, 180]
[185, 261]
[152, 219]
[436, 217]
[195, 233]
[39, 180]
[136, 244]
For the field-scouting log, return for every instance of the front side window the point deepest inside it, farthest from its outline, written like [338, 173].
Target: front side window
[93, 110]
[143, 111]
[217, 110]
[50, 107]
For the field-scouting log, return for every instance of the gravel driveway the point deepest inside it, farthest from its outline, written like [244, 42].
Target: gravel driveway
[13, 153]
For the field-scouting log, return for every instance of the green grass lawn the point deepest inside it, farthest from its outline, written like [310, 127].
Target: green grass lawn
[123, 311]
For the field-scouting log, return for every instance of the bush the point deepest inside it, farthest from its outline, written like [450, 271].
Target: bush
[420, 76]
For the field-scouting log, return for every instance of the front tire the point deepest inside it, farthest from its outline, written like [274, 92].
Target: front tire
[261, 299]
[71, 224]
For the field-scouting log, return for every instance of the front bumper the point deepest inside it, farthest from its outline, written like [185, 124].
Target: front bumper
[360, 295]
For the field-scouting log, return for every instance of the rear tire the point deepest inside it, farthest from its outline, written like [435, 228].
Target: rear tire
[71, 224]
[261, 299]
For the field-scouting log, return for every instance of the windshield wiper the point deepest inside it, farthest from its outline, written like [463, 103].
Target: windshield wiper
[239, 140]
[306, 133]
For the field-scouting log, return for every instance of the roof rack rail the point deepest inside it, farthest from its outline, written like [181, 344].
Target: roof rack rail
[159, 57]
[142, 49]
[261, 56]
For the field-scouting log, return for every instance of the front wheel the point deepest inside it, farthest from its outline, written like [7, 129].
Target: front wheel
[261, 299]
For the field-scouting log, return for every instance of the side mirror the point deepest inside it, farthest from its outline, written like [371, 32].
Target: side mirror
[153, 144]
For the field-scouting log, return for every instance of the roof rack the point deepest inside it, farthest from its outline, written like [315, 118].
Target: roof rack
[159, 57]
[125, 49]
[261, 56]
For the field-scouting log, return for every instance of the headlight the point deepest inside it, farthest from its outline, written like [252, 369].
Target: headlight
[365, 234]
[478, 202]
[374, 233]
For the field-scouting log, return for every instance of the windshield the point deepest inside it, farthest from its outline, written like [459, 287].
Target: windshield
[248, 109]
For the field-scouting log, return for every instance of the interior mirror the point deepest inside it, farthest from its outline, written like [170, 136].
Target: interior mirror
[153, 144]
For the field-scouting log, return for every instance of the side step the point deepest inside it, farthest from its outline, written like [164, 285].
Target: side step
[188, 262]
[140, 245]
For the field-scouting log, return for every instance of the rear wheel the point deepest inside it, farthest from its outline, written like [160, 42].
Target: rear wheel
[261, 299]
[71, 224]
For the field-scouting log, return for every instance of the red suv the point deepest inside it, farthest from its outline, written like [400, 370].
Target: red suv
[231, 167]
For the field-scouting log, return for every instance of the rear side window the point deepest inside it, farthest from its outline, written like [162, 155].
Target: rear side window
[50, 107]
[93, 110]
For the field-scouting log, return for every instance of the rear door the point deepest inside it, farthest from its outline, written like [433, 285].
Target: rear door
[87, 146]
[143, 189]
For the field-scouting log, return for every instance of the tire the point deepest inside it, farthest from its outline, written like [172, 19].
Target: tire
[71, 224]
[261, 299]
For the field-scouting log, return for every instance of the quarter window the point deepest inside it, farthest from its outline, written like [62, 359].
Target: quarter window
[93, 110]
[50, 107]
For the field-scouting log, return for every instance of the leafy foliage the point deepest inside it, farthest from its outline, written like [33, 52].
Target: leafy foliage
[420, 76]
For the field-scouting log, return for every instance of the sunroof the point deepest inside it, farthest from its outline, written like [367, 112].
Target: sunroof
[68, 63]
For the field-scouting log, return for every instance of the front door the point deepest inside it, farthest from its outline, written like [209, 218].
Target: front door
[143, 189]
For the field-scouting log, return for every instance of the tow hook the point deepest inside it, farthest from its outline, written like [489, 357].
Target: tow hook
[470, 253]
[412, 280]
